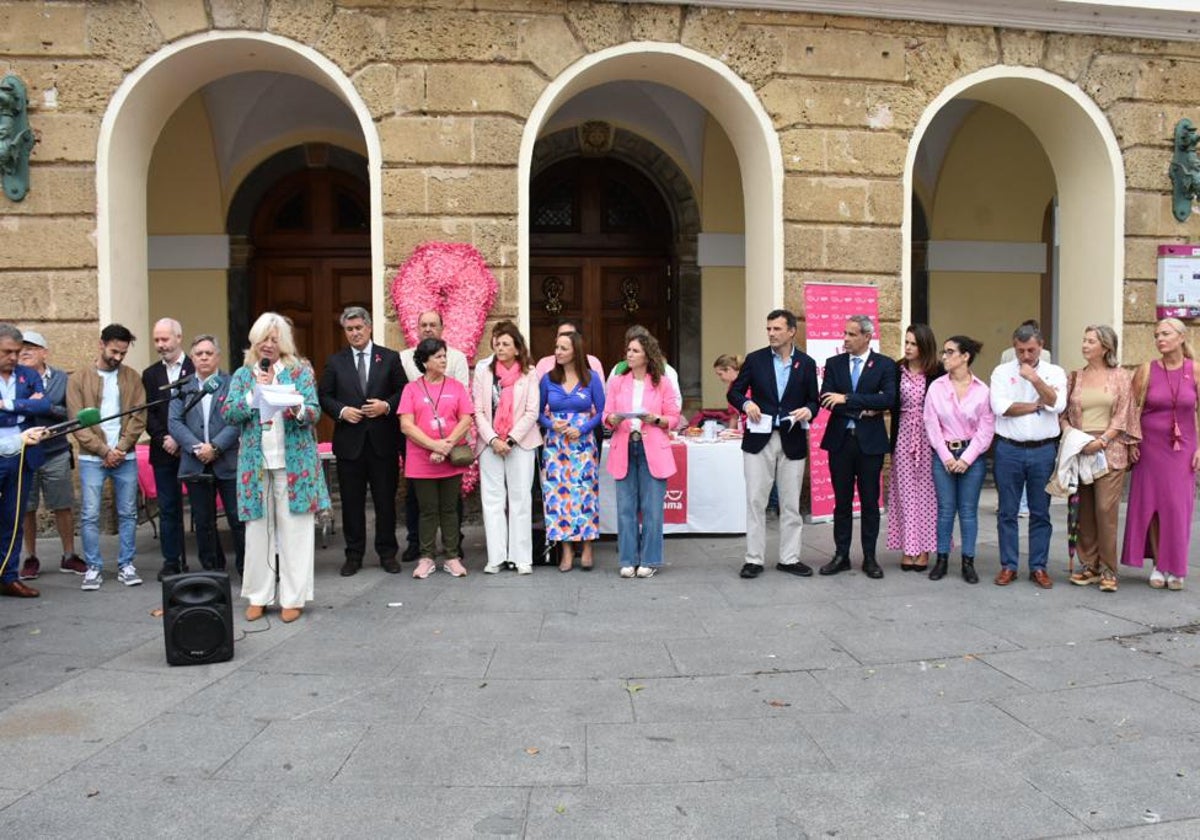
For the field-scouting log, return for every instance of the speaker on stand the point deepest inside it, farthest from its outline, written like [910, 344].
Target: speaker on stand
[198, 618]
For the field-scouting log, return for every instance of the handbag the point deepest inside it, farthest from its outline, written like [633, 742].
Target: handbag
[461, 455]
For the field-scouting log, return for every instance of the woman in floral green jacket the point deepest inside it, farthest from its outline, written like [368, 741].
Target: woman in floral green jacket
[280, 483]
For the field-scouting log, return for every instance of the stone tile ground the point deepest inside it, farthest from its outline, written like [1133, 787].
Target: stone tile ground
[582, 705]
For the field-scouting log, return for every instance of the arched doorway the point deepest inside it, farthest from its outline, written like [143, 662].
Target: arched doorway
[600, 252]
[1017, 227]
[133, 122]
[735, 106]
[311, 256]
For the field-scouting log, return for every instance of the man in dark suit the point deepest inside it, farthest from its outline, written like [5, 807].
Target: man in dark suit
[360, 388]
[859, 385]
[777, 391]
[208, 450]
[164, 450]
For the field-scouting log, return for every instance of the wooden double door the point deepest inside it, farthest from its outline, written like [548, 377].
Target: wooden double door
[312, 259]
[600, 254]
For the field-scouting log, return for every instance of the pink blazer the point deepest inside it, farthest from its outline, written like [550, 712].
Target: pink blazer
[657, 443]
[525, 410]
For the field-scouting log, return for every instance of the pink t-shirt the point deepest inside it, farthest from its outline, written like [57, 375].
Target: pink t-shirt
[453, 403]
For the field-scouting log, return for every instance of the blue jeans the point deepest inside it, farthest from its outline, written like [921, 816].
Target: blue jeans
[170, 511]
[958, 493]
[639, 491]
[125, 487]
[1019, 469]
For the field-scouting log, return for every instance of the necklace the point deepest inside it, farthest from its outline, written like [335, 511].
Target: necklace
[1176, 435]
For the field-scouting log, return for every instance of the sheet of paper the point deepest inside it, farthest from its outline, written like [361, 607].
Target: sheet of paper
[272, 399]
[762, 427]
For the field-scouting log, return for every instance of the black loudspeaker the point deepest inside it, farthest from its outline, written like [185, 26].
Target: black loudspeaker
[198, 618]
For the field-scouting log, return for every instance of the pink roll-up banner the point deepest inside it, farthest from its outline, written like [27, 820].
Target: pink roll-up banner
[826, 308]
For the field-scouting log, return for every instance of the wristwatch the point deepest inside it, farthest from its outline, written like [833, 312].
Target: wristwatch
[216, 450]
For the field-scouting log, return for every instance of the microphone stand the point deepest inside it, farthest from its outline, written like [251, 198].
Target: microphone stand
[66, 428]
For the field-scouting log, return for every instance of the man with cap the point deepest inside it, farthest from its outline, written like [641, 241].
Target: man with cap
[51, 482]
[20, 398]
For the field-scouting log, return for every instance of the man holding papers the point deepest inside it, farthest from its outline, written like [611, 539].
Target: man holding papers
[777, 391]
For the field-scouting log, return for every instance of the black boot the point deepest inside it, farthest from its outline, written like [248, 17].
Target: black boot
[969, 570]
[939, 568]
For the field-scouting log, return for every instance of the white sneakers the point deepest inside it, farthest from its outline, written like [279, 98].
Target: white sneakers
[126, 574]
[628, 571]
[91, 580]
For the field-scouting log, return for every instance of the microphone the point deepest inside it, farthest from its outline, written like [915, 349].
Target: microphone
[178, 383]
[210, 386]
[264, 365]
[86, 417]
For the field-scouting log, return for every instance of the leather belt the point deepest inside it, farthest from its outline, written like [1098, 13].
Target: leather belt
[957, 445]
[1027, 444]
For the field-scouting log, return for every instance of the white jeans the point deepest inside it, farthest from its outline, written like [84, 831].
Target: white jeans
[507, 479]
[764, 468]
[293, 534]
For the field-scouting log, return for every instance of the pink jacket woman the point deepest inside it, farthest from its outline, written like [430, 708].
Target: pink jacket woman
[657, 401]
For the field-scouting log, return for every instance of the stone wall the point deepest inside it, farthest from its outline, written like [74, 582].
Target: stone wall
[451, 82]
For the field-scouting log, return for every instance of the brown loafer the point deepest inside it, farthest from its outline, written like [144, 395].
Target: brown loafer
[16, 589]
[254, 612]
[289, 614]
[1042, 579]
[1006, 577]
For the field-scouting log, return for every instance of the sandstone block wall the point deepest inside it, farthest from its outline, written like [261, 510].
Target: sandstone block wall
[451, 83]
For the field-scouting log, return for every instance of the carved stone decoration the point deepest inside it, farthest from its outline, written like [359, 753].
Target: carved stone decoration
[552, 289]
[629, 290]
[16, 138]
[1184, 170]
[595, 138]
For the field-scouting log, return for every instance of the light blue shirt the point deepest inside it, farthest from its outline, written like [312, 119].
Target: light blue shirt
[783, 372]
[8, 393]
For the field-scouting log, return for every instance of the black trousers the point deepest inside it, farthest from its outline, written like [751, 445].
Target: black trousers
[850, 468]
[379, 472]
[202, 496]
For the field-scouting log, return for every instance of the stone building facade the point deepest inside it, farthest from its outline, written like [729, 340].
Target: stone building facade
[973, 174]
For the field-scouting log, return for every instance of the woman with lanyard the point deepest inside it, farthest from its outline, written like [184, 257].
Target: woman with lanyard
[435, 414]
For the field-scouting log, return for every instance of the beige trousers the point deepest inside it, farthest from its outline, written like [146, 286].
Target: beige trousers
[1099, 503]
[289, 533]
[762, 469]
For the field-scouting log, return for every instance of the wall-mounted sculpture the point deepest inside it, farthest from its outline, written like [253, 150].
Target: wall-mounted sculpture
[1184, 170]
[16, 138]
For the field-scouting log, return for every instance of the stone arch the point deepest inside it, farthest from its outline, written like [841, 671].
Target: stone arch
[133, 121]
[732, 102]
[1083, 152]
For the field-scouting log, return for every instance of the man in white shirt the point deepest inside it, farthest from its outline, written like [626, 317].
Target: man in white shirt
[1028, 394]
[429, 325]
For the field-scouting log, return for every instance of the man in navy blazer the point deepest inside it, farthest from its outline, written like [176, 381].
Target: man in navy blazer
[21, 398]
[859, 385]
[777, 390]
[360, 389]
[208, 450]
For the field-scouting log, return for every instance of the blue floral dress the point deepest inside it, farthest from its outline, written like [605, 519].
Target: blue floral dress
[571, 469]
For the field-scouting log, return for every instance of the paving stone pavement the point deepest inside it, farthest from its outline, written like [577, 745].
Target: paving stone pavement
[582, 705]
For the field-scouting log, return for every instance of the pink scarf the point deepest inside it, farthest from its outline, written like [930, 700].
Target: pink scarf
[508, 376]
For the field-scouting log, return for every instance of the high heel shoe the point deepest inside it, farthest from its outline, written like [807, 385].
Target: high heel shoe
[568, 561]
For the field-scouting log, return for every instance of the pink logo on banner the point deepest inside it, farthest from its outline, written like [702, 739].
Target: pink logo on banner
[826, 308]
[675, 503]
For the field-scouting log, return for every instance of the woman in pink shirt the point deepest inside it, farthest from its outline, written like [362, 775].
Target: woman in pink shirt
[960, 426]
[435, 414]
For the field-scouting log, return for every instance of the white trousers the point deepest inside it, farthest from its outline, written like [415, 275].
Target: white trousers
[764, 468]
[293, 534]
[508, 479]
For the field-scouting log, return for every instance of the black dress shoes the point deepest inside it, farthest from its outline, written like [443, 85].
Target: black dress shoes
[169, 570]
[839, 563]
[939, 567]
[800, 569]
[871, 568]
[411, 554]
[390, 565]
[750, 570]
[351, 566]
